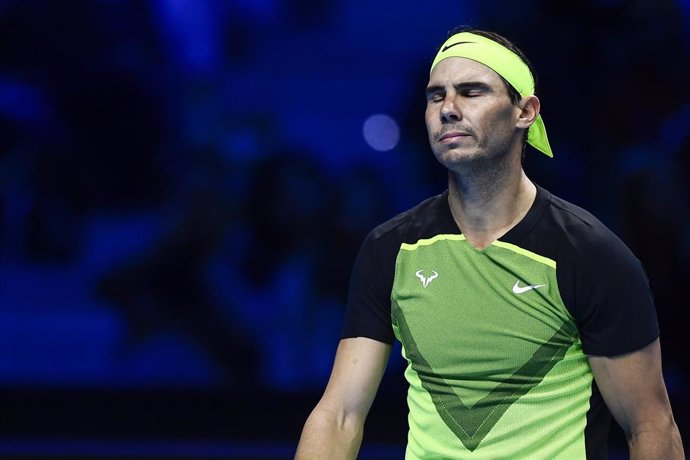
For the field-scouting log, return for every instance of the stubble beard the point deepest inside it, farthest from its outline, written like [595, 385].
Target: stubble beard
[484, 158]
[484, 168]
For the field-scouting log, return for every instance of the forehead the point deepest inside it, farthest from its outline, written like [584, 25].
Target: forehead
[454, 70]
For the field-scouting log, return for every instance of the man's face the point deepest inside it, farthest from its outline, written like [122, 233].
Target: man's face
[469, 115]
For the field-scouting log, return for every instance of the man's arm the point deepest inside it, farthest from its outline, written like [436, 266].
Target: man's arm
[633, 388]
[334, 428]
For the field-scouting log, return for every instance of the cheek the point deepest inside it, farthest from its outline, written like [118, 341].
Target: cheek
[427, 115]
[502, 118]
[429, 121]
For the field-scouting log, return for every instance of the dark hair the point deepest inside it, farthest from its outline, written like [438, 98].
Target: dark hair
[512, 92]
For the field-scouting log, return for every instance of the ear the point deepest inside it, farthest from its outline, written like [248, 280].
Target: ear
[529, 109]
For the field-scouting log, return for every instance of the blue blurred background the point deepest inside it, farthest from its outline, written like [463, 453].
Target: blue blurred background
[184, 185]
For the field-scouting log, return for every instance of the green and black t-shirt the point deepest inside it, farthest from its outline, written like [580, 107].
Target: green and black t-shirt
[496, 339]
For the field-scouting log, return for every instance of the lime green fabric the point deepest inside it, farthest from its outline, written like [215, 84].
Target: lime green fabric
[479, 376]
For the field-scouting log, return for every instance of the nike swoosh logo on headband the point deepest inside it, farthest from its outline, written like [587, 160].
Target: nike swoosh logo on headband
[445, 48]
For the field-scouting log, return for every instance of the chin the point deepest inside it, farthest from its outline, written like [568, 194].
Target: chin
[455, 157]
[471, 163]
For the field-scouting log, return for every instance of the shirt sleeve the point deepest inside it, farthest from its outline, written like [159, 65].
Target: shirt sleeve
[610, 296]
[368, 311]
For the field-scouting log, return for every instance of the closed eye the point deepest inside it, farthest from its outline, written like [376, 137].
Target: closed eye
[435, 96]
[472, 93]
[466, 89]
[472, 89]
[435, 93]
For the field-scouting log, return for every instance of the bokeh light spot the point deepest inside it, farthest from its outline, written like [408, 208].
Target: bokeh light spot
[381, 132]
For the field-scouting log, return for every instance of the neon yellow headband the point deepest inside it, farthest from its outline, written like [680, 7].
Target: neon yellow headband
[505, 63]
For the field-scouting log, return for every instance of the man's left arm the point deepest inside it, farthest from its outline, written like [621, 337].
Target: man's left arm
[633, 389]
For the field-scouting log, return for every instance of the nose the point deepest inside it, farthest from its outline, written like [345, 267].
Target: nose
[450, 111]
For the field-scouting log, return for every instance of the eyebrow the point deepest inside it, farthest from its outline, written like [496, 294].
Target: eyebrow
[464, 86]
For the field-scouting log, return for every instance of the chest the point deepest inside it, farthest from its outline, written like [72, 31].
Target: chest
[479, 314]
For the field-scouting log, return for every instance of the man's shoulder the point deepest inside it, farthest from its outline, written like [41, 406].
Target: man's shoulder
[579, 229]
[418, 216]
[573, 216]
[575, 219]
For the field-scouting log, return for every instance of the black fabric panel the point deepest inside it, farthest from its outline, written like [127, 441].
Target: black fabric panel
[601, 282]
[368, 312]
[597, 429]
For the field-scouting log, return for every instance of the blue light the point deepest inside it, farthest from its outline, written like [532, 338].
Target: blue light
[381, 132]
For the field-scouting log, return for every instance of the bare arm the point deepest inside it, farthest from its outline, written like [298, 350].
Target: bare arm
[334, 428]
[633, 388]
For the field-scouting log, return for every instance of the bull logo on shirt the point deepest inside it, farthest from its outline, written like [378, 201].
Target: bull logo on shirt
[426, 279]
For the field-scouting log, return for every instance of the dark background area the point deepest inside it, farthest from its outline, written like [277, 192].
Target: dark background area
[184, 186]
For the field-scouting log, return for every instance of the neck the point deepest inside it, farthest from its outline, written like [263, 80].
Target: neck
[487, 204]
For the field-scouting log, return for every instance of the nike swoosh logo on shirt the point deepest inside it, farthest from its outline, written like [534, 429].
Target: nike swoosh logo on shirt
[519, 290]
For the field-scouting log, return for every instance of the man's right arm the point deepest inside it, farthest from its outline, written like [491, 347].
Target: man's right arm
[334, 428]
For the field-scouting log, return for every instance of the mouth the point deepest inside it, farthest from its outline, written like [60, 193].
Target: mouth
[453, 136]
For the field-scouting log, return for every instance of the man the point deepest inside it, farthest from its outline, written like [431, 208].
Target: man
[525, 322]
